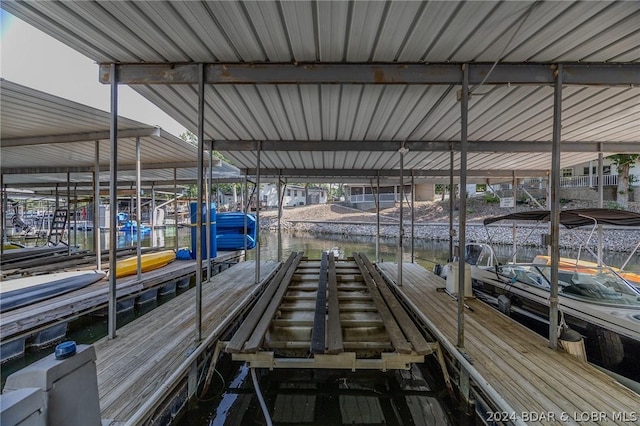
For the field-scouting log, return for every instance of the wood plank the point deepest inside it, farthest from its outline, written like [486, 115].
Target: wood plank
[420, 344]
[393, 329]
[318, 332]
[514, 360]
[334, 330]
[133, 366]
[248, 325]
[255, 340]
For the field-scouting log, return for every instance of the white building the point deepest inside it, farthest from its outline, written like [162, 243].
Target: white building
[586, 174]
[294, 195]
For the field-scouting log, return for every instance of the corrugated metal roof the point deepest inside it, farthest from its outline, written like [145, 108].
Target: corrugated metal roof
[368, 32]
[335, 31]
[43, 136]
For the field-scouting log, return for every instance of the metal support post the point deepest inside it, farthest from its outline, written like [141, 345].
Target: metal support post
[378, 218]
[97, 246]
[402, 151]
[209, 219]
[280, 199]
[138, 210]
[113, 201]
[413, 217]
[462, 212]
[198, 319]
[555, 208]
[257, 278]
[600, 201]
[451, 206]
[175, 205]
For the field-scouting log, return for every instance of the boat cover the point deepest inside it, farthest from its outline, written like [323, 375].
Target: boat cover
[576, 217]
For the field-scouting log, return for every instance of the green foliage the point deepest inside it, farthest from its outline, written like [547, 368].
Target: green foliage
[491, 199]
[624, 159]
[613, 205]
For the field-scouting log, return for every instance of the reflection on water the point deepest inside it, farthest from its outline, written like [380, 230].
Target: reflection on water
[321, 397]
[426, 253]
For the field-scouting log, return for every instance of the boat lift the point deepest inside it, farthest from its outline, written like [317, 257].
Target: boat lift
[329, 314]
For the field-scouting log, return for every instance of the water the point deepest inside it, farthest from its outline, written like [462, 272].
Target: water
[426, 253]
[323, 397]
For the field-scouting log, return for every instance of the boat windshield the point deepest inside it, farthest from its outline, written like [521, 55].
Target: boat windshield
[603, 287]
[478, 254]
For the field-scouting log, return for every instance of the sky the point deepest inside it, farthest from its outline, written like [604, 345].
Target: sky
[32, 58]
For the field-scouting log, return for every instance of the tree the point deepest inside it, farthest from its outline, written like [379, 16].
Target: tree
[623, 163]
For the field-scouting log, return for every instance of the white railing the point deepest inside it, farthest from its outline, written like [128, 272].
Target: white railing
[362, 198]
[568, 182]
[588, 181]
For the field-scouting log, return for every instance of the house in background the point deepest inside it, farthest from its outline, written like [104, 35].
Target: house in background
[362, 196]
[586, 175]
[294, 195]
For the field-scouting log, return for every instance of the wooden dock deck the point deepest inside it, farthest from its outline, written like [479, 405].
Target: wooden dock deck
[536, 385]
[146, 352]
[28, 319]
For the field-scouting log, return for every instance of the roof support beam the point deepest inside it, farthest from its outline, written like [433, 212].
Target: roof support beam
[81, 137]
[442, 146]
[340, 73]
[332, 173]
[104, 168]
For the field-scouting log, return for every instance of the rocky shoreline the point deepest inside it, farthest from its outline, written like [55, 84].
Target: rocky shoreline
[618, 240]
[432, 223]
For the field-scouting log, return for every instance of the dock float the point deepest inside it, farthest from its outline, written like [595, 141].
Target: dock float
[19, 324]
[506, 371]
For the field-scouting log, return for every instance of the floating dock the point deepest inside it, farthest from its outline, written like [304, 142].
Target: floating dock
[508, 370]
[21, 323]
[146, 363]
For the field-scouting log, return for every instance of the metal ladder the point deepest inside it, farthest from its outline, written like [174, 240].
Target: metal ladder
[58, 226]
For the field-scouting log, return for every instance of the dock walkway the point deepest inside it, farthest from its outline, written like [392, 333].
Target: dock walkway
[148, 351]
[537, 385]
[28, 319]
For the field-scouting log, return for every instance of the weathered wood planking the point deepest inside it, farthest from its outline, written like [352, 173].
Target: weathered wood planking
[514, 360]
[249, 323]
[318, 333]
[408, 327]
[257, 336]
[398, 339]
[334, 330]
[146, 351]
[91, 298]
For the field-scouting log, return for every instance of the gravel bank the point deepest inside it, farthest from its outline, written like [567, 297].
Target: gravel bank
[432, 223]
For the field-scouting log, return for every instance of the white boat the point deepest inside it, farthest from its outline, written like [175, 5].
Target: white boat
[603, 308]
[601, 305]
